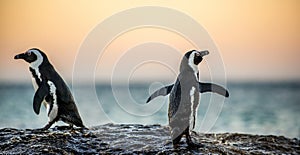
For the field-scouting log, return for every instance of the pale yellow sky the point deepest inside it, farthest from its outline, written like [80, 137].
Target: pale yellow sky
[258, 40]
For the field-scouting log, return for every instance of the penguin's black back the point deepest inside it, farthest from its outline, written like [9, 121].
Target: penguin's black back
[67, 109]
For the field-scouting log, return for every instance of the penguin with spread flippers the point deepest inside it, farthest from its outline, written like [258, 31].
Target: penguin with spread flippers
[184, 97]
[51, 90]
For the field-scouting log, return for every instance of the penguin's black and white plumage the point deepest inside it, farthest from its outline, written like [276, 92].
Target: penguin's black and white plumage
[184, 97]
[51, 90]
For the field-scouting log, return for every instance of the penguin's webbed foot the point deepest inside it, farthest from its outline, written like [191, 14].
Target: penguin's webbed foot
[191, 144]
[65, 127]
[83, 128]
[176, 146]
[46, 127]
[176, 141]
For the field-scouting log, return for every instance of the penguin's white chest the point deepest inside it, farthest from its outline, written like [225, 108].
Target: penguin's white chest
[35, 85]
[52, 109]
[193, 112]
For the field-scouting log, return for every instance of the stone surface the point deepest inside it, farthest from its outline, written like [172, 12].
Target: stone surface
[136, 139]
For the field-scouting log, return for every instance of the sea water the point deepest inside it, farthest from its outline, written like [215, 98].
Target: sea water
[254, 108]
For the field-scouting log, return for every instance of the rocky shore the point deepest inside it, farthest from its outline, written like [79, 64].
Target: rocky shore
[136, 139]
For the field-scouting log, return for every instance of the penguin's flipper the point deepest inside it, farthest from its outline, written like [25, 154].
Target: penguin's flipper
[39, 96]
[210, 87]
[161, 92]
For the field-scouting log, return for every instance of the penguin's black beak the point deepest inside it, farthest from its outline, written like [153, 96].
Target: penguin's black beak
[204, 53]
[20, 56]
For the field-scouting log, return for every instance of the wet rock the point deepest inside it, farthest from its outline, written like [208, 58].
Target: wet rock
[136, 139]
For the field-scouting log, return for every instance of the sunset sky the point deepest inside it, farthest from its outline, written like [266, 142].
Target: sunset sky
[257, 40]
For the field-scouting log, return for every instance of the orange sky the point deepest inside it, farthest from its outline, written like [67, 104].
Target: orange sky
[258, 40]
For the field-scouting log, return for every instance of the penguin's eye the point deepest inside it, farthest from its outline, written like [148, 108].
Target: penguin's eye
[28, 53]
[197, 54]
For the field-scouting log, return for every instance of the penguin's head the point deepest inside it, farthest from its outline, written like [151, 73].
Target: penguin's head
[192, 59]
[33, 56]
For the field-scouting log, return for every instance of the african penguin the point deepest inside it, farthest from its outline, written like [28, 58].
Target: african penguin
[184, 97]
[51, 90]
